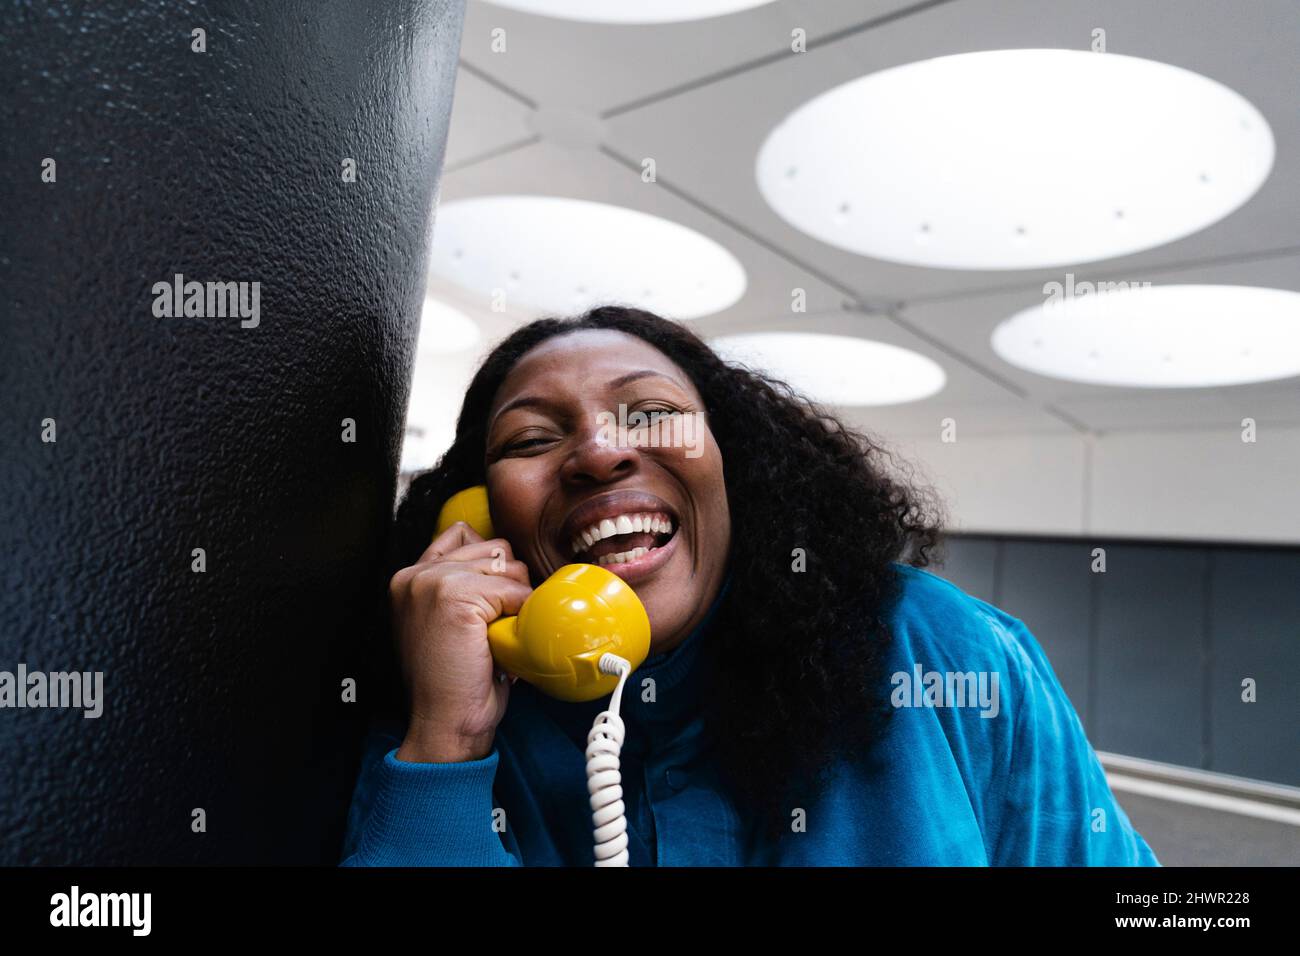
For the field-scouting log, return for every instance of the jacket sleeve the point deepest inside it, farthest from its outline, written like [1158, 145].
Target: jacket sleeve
[424, 814]
[1056, 808]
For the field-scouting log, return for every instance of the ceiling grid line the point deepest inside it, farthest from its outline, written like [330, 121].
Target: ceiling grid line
[767, 59]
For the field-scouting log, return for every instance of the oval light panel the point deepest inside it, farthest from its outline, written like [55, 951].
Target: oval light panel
[631, 11]
[836, 369]
[1178, 336]
[563, 256]
[445, 330]
[1015, 159]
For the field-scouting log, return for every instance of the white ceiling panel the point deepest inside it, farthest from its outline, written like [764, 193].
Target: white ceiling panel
[966, 324]
[975, 402]
[596, 67]
[706, 139]
[927, 419]
[572, 109]
[1268, 406]
[1005, 484]
[1225, 488]
[484, 120]
[548, 169]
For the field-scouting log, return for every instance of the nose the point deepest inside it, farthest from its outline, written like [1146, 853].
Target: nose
[600, 458]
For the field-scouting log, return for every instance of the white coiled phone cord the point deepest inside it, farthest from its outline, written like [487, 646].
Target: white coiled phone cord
[604, 781]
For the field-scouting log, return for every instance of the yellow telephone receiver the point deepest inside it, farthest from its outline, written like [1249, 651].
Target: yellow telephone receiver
[575, 617]
[578, 636]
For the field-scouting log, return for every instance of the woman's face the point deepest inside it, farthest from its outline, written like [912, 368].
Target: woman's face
[574, 477]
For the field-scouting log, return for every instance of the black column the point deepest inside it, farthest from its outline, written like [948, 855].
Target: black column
[194, 503]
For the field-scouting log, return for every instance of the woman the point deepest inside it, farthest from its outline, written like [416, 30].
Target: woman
[806, 698]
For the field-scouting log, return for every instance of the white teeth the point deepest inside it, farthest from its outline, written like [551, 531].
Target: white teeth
[622, 557]
[621, 524]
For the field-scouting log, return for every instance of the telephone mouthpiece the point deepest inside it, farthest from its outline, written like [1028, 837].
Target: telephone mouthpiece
[573, 618]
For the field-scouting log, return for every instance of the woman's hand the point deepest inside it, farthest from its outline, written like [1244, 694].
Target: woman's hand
[442, 606]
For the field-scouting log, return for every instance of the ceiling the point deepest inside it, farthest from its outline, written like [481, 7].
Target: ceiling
[571, 109]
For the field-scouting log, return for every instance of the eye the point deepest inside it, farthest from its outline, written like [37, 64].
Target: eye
[526, 443]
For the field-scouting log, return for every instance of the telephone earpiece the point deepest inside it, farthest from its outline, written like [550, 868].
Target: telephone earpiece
[471, 507]
[571, 620]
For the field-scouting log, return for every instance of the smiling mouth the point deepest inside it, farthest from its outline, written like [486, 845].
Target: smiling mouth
[624, 538]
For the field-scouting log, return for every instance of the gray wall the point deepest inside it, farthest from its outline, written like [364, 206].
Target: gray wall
[1153, 652]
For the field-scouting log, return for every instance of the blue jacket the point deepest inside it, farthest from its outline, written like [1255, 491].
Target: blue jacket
[1008, 779]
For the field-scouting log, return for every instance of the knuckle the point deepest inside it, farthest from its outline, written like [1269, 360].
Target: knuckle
[461, 614]
[399, 582]
[426, 580]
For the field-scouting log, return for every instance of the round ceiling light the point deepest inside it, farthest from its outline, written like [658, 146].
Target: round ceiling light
[445, 330]
[630, 11]
[836, 369]
[1177, 336]
[1015, 159]
[568, 255]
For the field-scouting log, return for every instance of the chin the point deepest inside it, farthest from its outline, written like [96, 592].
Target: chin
[665, 626]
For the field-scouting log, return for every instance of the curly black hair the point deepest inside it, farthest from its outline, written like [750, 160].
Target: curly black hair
[805, 651]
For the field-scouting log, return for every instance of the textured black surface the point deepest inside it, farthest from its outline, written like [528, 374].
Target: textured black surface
[222, 689]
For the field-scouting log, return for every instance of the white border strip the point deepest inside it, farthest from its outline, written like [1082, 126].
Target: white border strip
[1200, 798]
[1193, 777]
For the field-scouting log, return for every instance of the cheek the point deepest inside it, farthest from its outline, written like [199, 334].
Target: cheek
[707, 484]
[719, 505]
[514, 508]
[709, 465]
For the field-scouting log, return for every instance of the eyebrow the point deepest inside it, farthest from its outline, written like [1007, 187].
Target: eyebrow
[541, 401]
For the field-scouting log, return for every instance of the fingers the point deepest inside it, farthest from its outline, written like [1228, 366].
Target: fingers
[507, 595]
[447, 575]
[497, 562]
[460, 542]
[458, 535]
